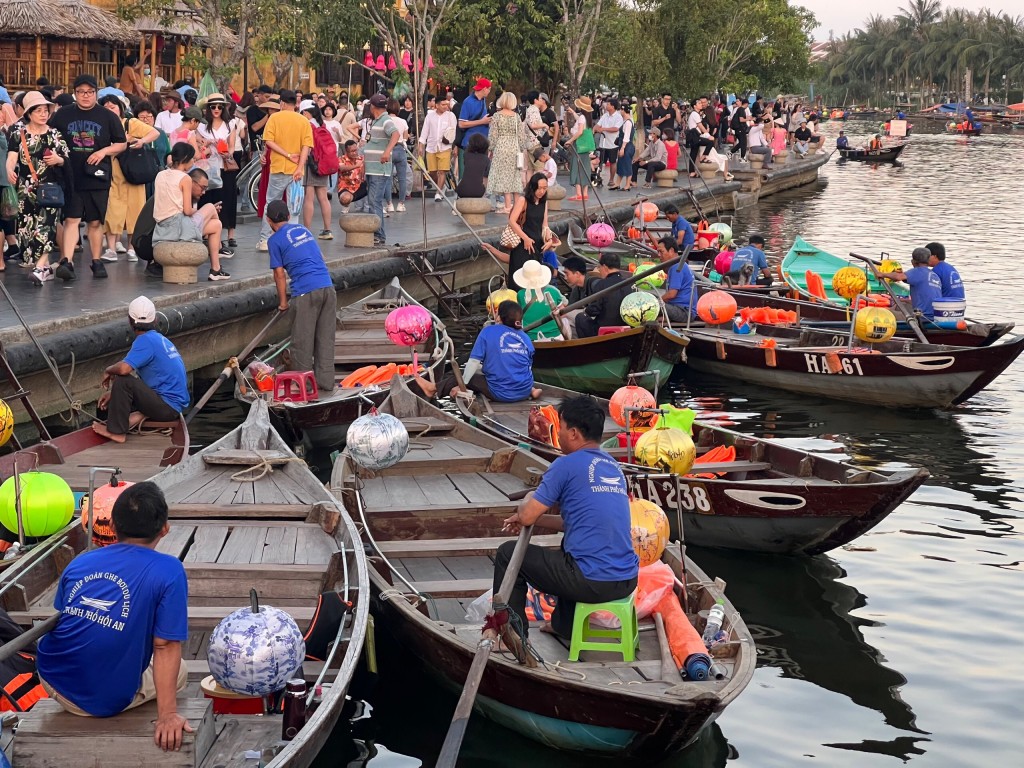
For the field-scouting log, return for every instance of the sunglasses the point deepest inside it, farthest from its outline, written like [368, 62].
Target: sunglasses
[216, 107]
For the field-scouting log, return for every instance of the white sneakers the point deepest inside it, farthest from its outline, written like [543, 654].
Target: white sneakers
[109, 255]
[119, 247]
[389, 208]
[132, 256]
[262, 246]
[400, 208]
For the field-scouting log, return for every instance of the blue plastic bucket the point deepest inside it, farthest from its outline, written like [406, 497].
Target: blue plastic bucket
[949, 313]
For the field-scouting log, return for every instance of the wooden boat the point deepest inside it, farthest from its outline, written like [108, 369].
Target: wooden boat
[434, 523]
[899, 373]
[772, 498]
[804, 257]
[359, 341]
[964, 130]
[601, 364]
[245, 513]
[884, 155]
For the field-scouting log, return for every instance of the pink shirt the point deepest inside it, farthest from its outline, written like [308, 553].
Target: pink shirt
[672, 148]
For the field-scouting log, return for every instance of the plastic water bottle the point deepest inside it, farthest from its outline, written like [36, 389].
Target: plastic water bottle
[716, 616]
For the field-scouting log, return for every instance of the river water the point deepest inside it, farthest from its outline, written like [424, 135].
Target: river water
[906, 646]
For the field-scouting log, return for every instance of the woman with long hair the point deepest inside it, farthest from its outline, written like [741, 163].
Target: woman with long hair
[316, 186]
[529, 220]
[216, 139]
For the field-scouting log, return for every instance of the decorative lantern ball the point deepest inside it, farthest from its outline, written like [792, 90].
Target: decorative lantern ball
[377, 440]
[103, 533]
[495, 298]
[639, 308]
[6, 422]
[649, 526]
[409, 325]
[874, 325]
[716, 307]
[723, 262]
[47, 503]
[890, 265]
[632, 396]
[724, 232]
[600, 235]
[255, 653]
[651, 282]
[667, 449]
[647, 212]
[849, 282]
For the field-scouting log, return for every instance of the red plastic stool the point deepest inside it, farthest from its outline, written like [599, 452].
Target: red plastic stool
[295, 387]
[604, 330]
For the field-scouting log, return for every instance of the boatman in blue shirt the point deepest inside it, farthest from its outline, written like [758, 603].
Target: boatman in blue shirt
[123, 617]
[295, 256]
[925, 285]
[583, 494]
[160, 392]
[952, 285]
[680, 295]
[752, 254]
[842, 142]
[682, 230]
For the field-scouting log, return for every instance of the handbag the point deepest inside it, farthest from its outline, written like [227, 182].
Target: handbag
[509, 239]
[138, 166]
[230, 164]
[585, 143]
[48, 194]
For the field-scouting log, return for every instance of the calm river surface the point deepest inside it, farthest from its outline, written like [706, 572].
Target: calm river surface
[907, 647]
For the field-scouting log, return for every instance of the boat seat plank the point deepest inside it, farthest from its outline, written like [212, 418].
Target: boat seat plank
[280, 546]
[313, 546]
[374, 493]
[475, 488]
[504, 482]
[246, 458]
[219, 583]
[208, 543]
[729, 467]
[404, 491]
[244, 545]
[200, 668]
[469, 566]
[176, 541]
[456, 547]
[253, 511]
[420, 425]
[428, 569]
[200, 617]
[438, 489]
[379, 356]
[470, 588]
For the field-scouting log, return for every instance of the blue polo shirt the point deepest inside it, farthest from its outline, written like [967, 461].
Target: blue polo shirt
[925, 288]
[294, 248]
[682, 225]
[155, 358]
[473, 109]
[749, 254]
[680, 278]
[952, 285]
[506, 355]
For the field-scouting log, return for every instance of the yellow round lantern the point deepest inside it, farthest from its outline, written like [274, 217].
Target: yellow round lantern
[890, 265]
[47, 503]
[667, 449]
[649, 526]
[6, 422]
[849, 282]
[495, 298]
[874, 325]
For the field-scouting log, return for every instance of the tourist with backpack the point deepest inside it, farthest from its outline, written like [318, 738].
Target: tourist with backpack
[322, 164]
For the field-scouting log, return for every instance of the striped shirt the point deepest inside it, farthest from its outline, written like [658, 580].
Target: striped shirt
[381, 131]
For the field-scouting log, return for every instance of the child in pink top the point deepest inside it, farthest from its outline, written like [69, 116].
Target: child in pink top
[672, 148]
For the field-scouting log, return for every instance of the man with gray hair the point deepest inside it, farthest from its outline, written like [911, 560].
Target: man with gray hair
[925, 286]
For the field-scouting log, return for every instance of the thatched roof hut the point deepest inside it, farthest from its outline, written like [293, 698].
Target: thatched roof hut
[31, 18]
[95, 23]
[183, 22]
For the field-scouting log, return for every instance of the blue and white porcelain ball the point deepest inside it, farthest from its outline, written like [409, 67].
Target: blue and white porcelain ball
[255, 653]
[377, 441]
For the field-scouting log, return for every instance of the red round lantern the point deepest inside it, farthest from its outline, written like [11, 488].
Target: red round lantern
[103, 533]
[723, 262]
[600, 235]
[647, 212]
[632, 396]
[716, 308]
[409, 325]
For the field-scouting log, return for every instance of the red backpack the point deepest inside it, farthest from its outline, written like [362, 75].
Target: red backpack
[325, 152]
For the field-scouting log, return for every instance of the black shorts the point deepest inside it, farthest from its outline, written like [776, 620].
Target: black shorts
[610, 156]
[87, 205]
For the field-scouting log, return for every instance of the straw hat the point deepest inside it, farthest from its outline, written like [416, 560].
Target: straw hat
[214, 98]
[584, 103]
[33, 99]
[533, 274]
[273, 104]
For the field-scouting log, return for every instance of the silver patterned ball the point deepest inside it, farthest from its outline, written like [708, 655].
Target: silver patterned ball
[377, 441]
[255, 653]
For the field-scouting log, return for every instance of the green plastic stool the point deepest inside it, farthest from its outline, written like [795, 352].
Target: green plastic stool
[626, 639]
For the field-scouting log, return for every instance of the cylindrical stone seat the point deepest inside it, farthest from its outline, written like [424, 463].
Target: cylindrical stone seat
[473, 209]
[756, 161]
[666, 178]
[782, 157]
[556, 194]
[359, 229]
[707, 170]
[180, 260]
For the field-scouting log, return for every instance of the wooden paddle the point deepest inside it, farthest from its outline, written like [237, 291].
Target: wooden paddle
[637, 276]
[908, 315]
[228, 370]
[457, 729]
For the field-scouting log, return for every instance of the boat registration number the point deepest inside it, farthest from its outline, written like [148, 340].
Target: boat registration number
[668, 494]
[849, 366]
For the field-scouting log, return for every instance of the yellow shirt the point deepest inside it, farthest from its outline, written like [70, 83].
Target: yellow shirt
[291, 132]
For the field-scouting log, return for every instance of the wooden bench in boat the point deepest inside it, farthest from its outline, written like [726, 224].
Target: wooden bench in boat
[49, 737]
[200, 617]
[454, 587]
[200, 668]
[457, 547]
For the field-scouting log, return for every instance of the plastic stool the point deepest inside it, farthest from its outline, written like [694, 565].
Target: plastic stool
[295, 387]
[626, 639]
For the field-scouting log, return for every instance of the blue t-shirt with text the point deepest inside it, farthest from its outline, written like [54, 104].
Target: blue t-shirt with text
[680, 279]
[590, 490]
[748, 254]
[159, 365]
[294, 248]
[925, 288]
[112, 601]
[949, 278]
[507, 358]
[682, 225]
[473, 109]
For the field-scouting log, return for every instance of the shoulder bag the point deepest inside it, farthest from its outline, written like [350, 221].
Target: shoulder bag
[509, 239]
[48, 194]
[585, 143]
[139, 166]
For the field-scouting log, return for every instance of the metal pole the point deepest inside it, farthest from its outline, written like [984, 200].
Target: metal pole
[17, 504]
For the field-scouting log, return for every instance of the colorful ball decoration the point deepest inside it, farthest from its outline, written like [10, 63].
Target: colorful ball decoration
[649, 526]
[6, 422]
[632, 396]
[409, 325]
[874, 325]
[255, 654]
[716, 307]
[849, 282]
[651, 282]
[495, 298]
[667, 449]
[600, 235]
[47, 503]
[723, 262]
[103, 533]
[724, 233]
[377, 440]
[890, 265]
[647, 212]
[638, 308]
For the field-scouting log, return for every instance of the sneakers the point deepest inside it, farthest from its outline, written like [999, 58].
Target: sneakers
[400, 207]
[262, 246]
[119, 247]
[438, 197]
[65, 270]
[379, 241]
[41, 274]
[225, 252]
[109, 255]
[132, 256]
[98, 270]
[389, 208]
[386, 214]
[218, 274]
[325, 234]
[232, 243]
[13, 253]
[154, 270]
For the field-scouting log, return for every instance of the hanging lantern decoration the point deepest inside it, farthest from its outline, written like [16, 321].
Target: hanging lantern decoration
[890, 265]
[716, 307]
[666, 449]
[255, 653]
[47, 503]
[377, 441]
[103, 533]
[407, 61]
[647, 212]
[655, 280]
[430, 62]
[724, 232]
[874, 325]
[849, 282]
[368, 59]
[495, 298]
[632, 396]
[638, 308]
[649, 527]
[409, 325]
[723, 262]
[600, 235]
[6, 422]
[379, 66]
[392, 64]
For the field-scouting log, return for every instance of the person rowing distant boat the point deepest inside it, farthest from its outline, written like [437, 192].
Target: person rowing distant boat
[842, 142]
[952, 285]
[925, 285]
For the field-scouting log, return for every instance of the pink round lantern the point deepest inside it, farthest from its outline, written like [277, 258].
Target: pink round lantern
[723, 262]
[379, 66]
[392, 64]
[409, 325]
[600, 235]
[407, 61]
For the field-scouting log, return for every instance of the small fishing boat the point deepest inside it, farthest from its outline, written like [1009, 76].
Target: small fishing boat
[804, 258]
[362, 350]
[433, 522]
[769, 497]
[601, 364]
[899, 373]
[884, 155]
[963, 129]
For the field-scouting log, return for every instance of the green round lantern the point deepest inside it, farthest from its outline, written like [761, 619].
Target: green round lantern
[47, 503]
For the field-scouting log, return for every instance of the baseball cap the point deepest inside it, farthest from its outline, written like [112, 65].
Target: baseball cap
[277, 211]
[142, 310]
[544, 97]
[85, 79]
[482, 84]
[306, 104]
[192, 113]
[378, 100]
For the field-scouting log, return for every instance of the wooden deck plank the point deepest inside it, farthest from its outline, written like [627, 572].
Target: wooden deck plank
[295, 492]
[470, 588]
[186, 488]
[449, 609]
[176, 541]
[469, 566]
[244, 545]
[280, 546]
[427, 569]
[374, 493]
[407, 548]
[438, 489]
[504, 482]
[313, 546]
[476, 488]
[208, 543]
[404, 491]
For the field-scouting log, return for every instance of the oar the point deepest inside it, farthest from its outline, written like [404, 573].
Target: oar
[638, 275]
[457, 729]
[227, 372]
[909, 316]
